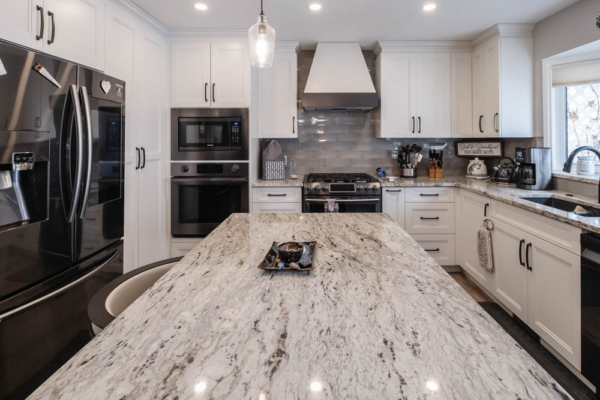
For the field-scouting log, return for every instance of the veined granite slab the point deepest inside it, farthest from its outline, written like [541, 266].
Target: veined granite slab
[279, 182]
[378, 318]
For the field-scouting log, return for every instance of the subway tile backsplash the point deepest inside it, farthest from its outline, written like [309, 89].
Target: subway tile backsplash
[344, 141]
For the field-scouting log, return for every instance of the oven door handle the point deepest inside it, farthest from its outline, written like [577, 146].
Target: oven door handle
[189, 179]
[343, 200]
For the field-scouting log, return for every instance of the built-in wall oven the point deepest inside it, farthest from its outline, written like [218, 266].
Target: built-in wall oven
[209, 134]
[204, 194]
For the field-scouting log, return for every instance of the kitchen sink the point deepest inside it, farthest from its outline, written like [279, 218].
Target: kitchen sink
[565, 205]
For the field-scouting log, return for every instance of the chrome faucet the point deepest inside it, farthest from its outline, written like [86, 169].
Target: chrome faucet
[569, 162]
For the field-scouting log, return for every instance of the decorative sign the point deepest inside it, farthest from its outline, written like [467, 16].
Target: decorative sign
[479, 149]
[105, 85]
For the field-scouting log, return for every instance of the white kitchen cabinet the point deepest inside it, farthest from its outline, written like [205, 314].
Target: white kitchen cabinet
[130, 43]
[279, 208]
[415, 95]
[540, 283]
[430, 218]
[503, 87]
[393, 204]
[510, 271]
[433, 88]
[21, 22]
[430, 195]
[440, 247]
[276, 200]
[190, 75]
[72, 29]
[180, 247]
[278, 93]
[217, 78]
[471, 209]
[462, 95]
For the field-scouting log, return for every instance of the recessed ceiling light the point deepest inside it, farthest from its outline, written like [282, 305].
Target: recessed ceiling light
[201, 6]
[315, 7]
[429, 7]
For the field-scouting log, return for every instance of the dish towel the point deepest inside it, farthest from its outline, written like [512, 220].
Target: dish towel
[484, 245]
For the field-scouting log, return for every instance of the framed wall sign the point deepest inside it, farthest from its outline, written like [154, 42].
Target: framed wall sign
[479, 149]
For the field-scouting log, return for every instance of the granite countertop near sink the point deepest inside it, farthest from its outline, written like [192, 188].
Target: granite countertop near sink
[511, 195]
[378, 318]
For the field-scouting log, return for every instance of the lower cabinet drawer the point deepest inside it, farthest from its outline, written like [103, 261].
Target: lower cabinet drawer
[432, 218]
[263, 208]
[277, 194]
[180, 248]
[440, 247]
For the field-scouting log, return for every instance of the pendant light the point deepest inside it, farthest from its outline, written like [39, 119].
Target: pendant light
[262, 42]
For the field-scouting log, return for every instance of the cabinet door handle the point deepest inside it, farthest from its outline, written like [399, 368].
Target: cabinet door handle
[521, 252]
[138, 158]
[393, 191]
[480, 128]
[41, 35]
[432, 249]
[413, 120]
[206, 92]
[51, 15]
[485, 209]
[527, 256]
[496, 129]
[213, 92]
[430, 217]
[277, 195]
[294, 124]
[429, 194]
[419, 125]
[144, 161]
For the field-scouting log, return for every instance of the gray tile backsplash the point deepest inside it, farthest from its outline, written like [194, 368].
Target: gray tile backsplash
[344, 141]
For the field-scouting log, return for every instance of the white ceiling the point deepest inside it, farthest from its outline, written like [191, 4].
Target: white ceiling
[364, 21]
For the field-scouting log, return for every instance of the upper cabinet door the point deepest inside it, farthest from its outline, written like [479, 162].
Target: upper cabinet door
[190, 75]
[491, 118]
[21, 22]
[230, 75]
[462, 95]
[478, 92]
[277, 94]
[75, 31]
[397, 90]
[433, 95]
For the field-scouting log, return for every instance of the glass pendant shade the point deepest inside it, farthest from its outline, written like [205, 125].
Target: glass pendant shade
[261, 37]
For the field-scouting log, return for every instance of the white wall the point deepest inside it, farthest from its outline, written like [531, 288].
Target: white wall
[572, 27]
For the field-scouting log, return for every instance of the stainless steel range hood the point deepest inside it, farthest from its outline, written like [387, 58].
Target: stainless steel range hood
[339, 80]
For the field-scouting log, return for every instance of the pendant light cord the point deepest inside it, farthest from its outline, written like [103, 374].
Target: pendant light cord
[261, 8]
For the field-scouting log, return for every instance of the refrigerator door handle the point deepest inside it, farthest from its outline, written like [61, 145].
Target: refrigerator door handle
[88, 178]
[63, 289]
[79, 168]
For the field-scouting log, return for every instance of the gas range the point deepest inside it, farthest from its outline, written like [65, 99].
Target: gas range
[335, 184]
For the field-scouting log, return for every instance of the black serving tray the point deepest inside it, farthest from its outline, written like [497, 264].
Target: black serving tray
[271, 260]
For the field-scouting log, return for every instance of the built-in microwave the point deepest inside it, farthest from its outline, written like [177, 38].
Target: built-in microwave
[209, 134]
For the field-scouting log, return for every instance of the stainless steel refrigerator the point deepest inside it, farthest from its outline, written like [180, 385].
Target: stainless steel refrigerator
[61, 206]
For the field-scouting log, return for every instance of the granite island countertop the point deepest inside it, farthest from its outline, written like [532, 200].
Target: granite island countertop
[378, 318]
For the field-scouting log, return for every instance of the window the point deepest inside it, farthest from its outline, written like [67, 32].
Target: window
[582, 111]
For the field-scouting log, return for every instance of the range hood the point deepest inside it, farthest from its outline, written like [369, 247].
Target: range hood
[339, 80]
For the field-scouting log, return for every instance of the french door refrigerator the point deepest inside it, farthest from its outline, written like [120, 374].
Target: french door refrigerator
[61, 206]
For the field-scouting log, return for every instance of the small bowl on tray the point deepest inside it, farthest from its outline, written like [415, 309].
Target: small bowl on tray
[289, 256]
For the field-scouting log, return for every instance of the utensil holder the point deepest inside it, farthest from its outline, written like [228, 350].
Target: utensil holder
[408, 172]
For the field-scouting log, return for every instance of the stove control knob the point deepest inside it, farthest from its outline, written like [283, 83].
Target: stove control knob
[235, 168]
[317, 188]
[185, 168]
[325, 189]
[374, 188]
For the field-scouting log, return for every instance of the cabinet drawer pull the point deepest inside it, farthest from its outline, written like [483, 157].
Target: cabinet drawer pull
[277, 195]
[521, 252]
[51, 15]
[206, 92]
[294, 124]
[432, 250]
[41, 35]
[419, 125]
[213, 92]
[527, 256]
[430, 217]
[393, 191]
[413, 120]
[480, 128]
[496, 129]
[485, 209]
[429, 194]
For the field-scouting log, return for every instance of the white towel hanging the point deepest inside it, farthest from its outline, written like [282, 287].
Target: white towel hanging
[484, 245]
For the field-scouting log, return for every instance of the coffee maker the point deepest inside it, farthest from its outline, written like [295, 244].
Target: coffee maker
[534, 168]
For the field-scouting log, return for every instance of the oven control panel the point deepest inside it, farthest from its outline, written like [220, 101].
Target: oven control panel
[316, 188]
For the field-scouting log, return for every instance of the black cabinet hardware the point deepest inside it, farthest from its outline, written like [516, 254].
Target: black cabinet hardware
[496, 129]
[294, 124]
[527, 256]
[419, 125]
[480, 128]
[138, 158]
[429, 194]
[485, 209]
[432, 250]
[213, 92]
[393, 191]
[413, 129]
[41, 35]
[51, 15]
[206, 92]
[521, 252]
[277, 195]
[430, 217]
[144, 161]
